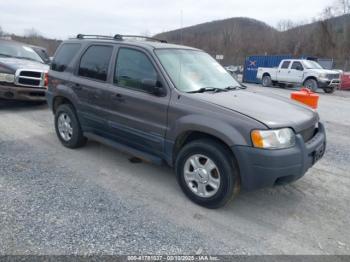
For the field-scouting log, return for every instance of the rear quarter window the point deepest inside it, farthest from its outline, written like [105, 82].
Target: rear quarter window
[64, 56]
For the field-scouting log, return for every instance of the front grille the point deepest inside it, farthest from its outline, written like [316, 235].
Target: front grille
[37, 94]
[333, 76]
[29, 82]
[28, 78]
[30, 74]
[308, 133]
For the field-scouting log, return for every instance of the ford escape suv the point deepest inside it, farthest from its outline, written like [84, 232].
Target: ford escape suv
[174, 104]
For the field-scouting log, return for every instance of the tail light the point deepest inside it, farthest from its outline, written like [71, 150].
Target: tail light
[46, 80]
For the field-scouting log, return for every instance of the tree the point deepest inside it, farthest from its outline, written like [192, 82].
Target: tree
[284, 25]
[32, 32]
[344, 6]
[328, 13]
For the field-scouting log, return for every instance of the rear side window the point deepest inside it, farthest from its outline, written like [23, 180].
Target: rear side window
[64, 56]
[285, 64]
[95, 61]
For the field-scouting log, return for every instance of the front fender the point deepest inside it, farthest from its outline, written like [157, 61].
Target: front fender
[215, 127]
[199, 123]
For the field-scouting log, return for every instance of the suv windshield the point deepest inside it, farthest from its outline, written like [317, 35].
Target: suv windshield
[312, 65]
[18, 51]
[192, 70]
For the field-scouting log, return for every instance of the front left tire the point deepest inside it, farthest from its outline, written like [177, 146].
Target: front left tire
[311, 84]
[329, 89]
[207, 173]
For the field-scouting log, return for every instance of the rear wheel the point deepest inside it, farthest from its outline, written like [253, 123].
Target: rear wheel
[311, 84]
[68, 127]
[206, 173]
[266, 81]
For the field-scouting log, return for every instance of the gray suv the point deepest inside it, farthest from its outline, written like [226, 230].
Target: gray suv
[174, 104]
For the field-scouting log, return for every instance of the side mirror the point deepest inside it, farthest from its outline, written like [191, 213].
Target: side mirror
[153, 87]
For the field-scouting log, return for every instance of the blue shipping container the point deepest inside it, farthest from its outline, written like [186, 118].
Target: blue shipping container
[252, 63]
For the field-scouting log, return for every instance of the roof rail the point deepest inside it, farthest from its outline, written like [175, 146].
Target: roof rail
[140, 36]
[118, 37]
[81, 36]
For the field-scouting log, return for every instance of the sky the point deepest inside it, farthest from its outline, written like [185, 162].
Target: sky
[65, 18]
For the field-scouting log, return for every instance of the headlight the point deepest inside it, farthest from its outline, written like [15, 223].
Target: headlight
[273, 139]
[7, 78]
[322, 76]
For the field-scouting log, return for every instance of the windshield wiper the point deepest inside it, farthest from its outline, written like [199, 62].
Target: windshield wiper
[218, 90]
[229, 88]
[207, 89]
[6, 55]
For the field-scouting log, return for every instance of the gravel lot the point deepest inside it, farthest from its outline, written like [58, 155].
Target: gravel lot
[94, 201]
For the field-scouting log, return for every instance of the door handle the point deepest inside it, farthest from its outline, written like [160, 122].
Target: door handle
[78, 87]
[118, 97]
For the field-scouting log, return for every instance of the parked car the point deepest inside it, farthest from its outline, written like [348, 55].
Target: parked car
[23, 73]
[174, 104]
[298, 71]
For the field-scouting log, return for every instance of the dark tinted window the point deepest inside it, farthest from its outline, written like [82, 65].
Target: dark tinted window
[132, 67]
[64, 56]
[285, 64]
[296, 65]
[42, 53]
[95, 61]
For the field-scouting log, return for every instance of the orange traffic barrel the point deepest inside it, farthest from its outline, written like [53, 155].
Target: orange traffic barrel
[306, 97]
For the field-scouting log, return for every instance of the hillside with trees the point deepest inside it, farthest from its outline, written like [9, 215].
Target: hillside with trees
[327, 36]
[237, 38]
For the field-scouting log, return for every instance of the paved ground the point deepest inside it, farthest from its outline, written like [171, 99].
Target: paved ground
[93, 200]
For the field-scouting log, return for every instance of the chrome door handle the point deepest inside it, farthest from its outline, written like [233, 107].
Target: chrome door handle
[118, 97]
[78, 87]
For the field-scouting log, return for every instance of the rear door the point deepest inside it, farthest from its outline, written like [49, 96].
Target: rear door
[88, 83]
[137, 117]
[283, 72]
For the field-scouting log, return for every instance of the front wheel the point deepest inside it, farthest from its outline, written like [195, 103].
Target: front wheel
[311, 84]
[329, 89]
[206, 173]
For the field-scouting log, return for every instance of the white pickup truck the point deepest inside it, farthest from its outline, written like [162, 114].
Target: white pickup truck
[300, 72]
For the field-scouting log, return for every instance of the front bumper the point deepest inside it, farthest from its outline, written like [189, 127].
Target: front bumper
[22, 93]
[328, 82]
[261, 168]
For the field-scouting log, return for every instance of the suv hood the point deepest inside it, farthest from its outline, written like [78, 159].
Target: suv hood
[272, 110]
[12, 64]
